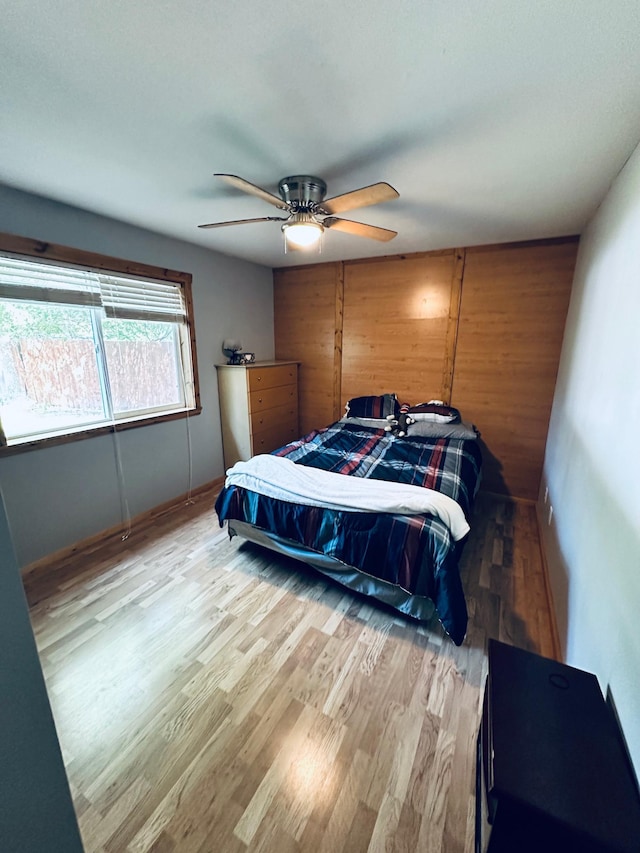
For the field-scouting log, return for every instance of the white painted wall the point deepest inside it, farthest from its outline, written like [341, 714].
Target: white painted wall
[59, 495]
[592, 465]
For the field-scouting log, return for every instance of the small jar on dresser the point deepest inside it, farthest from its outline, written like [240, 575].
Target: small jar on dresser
[258, 407]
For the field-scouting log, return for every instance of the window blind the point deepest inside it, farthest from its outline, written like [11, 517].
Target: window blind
[142, 299]
[40, 281]
[121, 297]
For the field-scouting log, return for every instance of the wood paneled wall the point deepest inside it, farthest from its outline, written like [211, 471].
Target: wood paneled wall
[395, 328]
[480, 327]
[308, 322]
[514, 305]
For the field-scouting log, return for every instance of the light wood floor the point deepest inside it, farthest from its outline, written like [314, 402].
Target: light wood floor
[210, 696]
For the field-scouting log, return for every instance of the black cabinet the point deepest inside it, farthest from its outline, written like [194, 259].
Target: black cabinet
[552, 772]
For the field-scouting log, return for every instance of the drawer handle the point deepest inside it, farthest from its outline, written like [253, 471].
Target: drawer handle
[259, 378]
[259, 399]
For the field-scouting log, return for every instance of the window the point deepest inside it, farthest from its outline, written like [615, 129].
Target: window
[84, 347]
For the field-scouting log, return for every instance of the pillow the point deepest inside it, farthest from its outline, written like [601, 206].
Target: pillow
[372, 407]
[373, 423]
[433, 429]
[435, 411]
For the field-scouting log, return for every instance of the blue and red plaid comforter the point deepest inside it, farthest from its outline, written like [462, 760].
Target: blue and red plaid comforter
[415, 552]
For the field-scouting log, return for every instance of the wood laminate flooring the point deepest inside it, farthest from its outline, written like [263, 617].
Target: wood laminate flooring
[213, 697]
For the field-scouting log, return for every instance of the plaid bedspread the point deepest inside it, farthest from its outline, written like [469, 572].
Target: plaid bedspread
[415, 552]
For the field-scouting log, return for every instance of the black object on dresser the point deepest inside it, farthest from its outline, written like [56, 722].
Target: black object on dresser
[552, 771]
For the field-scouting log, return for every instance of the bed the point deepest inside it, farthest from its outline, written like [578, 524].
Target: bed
[379, 504]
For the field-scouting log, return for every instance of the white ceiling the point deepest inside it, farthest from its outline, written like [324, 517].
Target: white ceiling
[496, 120]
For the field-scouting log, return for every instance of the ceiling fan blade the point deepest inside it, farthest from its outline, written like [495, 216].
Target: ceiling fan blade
[374, 194]
[359, 229]
[252, 189]
[245, 221]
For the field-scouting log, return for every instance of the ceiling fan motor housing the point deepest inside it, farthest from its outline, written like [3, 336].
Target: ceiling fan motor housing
[302, 192]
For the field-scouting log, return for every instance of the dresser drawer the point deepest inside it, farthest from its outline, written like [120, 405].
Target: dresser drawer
[271, 377]
[275, 436]
[267, 418]
[270, 398]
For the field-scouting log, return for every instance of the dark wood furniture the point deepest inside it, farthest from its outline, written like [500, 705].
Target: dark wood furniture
[552, 770]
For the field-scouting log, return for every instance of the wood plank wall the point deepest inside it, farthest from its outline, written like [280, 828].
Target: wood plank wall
[396, 317]
[479, 327]
[306, 300]
[514, 305]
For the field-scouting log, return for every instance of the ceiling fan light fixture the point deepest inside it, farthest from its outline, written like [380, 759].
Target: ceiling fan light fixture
[309, 213]
[302, 231]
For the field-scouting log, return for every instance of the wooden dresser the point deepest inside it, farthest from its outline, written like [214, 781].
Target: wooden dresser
[258, 407]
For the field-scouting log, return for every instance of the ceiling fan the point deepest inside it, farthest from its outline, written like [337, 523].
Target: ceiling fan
[309, 213]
